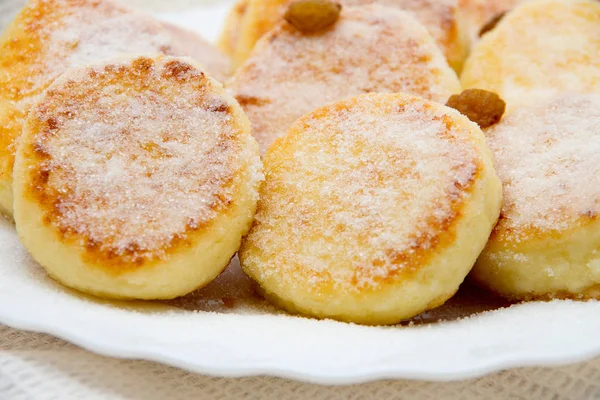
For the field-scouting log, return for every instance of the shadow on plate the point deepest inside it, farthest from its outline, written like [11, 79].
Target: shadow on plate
[470, 300]
[233, 291]
[230, 292]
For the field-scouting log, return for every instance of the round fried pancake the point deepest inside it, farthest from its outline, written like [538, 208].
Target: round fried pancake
[217, 64]
[547, 241]
[135, 179]
[373, 210]
[540, 48]
[476, 13]
[231, 30]
[50, 36]
[370, 49]
[440, 17]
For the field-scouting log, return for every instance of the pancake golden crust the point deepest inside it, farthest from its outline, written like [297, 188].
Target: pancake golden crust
[50, 36]
[547, 241]
[366, 207]
[130, 169]
[540, 48]
[440, 17]
[370, 49]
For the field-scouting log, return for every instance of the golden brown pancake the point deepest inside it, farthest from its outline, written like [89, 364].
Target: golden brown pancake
[370, 49]
[373, 210]
[135, 178]
[440, 17]
[539, 49]
[547, 241]
[50, 36]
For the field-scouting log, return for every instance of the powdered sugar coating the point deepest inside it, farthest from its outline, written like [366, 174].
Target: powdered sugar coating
[440, 17]
[134, 156]
[547, 158]
[364, 191]
[78, 33]
[50, 36]
[370, 49]
[540, 49]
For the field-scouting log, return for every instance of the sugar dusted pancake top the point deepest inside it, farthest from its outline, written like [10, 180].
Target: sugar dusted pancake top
[50, 36]
[61, 34]
[440, 17]
[370, 49]
[547, 158]
[540, 48]
[341, 179]
[129, 159]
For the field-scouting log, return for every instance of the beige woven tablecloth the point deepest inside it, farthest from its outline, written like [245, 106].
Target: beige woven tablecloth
[37, 366]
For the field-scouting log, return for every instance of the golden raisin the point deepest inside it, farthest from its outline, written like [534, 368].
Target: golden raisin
[309, 16]
[480, 106]
[491, 24]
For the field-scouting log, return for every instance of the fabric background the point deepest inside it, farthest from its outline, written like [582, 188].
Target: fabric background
[37, 366]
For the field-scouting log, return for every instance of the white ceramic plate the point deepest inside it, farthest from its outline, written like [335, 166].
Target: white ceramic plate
[226, 330]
